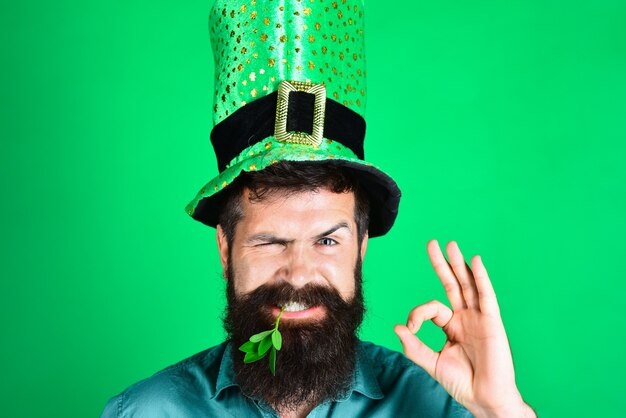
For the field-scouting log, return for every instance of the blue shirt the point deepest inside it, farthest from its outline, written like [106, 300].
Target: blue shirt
[385, 384]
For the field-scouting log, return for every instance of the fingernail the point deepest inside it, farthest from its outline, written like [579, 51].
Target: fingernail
[411, 326]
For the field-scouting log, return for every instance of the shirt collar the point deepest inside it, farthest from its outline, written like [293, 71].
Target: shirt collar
[364, 381]
[226, 375]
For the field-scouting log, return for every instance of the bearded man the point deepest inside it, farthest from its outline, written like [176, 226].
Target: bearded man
[294, 206]
[299, 245]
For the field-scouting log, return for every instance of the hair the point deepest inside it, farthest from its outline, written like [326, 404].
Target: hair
[285, 178]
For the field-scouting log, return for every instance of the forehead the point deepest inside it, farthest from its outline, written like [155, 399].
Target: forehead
[296, 212]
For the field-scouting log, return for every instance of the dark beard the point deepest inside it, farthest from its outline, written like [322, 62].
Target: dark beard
[317, 360]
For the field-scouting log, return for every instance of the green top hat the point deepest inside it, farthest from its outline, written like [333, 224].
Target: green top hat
[290, 85]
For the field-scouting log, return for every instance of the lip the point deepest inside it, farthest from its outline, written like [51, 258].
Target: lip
[314, 312]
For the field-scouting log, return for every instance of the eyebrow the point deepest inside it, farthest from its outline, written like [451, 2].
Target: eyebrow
[333, 229]
[268, 237]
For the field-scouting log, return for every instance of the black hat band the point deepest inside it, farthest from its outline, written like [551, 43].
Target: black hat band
[255, 121]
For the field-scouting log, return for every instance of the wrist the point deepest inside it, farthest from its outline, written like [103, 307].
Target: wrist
[513, 410]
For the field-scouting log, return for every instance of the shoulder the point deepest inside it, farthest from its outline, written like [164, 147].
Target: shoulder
[179, 386]
[407, 386]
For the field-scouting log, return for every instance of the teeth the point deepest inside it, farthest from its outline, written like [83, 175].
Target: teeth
[294, 307]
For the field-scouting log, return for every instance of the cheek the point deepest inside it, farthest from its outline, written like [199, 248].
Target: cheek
[339, 273]
[252, 272]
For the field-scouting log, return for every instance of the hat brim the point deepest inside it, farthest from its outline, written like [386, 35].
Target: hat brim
[382, 190]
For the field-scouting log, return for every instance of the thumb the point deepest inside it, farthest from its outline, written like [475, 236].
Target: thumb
[418, 352]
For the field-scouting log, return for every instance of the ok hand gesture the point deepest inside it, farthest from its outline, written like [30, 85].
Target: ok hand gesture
[475, 364]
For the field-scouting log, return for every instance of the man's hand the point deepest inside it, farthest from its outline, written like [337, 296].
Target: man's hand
[475, 364]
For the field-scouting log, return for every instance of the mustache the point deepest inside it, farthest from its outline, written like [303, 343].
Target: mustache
[282, 293]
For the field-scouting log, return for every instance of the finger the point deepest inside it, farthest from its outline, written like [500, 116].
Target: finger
[486, 294]
[434, 310]
[416, 350]
[463, 274]
[447, 277]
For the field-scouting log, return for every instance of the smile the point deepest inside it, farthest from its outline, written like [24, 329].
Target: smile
[295, 307]
[296, 310]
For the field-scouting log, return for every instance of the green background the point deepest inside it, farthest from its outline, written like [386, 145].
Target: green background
[509, 119]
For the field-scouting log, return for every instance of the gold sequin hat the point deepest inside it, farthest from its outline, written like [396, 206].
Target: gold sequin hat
[290, 85]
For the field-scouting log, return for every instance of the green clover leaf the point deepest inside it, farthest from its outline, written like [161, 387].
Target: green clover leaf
[252, 357]
[258, 337]
[265, 344]
[259, 345]
[273, 361]
[248, 347]
[277, 339]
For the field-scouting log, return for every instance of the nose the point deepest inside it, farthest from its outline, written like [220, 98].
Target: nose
[298, 267]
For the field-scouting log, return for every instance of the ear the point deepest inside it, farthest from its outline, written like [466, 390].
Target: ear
[364, 245]
[222, 247]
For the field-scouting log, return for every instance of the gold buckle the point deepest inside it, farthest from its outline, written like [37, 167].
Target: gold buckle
[282, 107]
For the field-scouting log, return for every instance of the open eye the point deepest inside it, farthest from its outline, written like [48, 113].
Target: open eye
[327, 241]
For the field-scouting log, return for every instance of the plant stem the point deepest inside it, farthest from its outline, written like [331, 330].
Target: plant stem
[278, 319]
